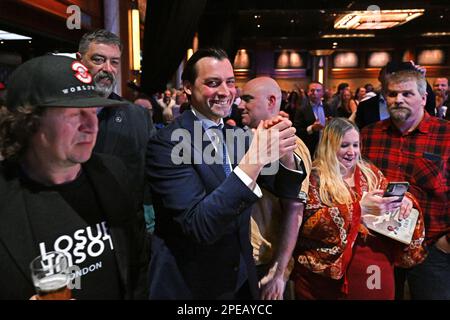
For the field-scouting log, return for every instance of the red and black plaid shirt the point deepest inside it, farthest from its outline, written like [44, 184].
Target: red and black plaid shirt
[421, 157]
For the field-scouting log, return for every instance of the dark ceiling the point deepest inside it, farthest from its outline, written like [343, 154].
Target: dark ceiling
[300, 24]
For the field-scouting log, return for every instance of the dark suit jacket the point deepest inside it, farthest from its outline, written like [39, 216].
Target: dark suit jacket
[124, 132]
[368, 112]
[202, 218]
[17, 247]
[304, 117]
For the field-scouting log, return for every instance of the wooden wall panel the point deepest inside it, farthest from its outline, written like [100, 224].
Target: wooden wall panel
[349, 73]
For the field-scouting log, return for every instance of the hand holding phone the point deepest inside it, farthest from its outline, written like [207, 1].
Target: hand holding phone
[396, 189]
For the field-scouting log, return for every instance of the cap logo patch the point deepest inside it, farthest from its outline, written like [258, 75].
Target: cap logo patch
[82, 72]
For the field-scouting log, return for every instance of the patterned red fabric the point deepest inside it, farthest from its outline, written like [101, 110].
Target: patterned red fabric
[370, 275]
[323, 240]
[421, 157]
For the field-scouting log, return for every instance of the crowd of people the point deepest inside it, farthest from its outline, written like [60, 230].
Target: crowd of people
[209, 193]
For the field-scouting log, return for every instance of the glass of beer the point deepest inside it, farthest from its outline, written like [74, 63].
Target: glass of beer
[51, 276]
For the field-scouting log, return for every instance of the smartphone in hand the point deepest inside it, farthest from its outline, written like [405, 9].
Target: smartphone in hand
[396, 189]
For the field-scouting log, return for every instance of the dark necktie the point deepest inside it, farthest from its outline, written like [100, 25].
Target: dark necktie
[225, 162]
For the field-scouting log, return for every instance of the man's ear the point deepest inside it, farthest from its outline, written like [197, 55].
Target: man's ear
[78, 56]
[187, 87]
[424, 99]
[272, 102]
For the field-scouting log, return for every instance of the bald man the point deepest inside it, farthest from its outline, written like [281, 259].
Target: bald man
[274, 221]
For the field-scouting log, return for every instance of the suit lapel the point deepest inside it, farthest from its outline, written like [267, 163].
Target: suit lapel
[16, 233]
[192, 124]
[111, 121]
[310, 117]
[112, 200]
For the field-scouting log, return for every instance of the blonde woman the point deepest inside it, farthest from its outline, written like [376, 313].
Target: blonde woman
[336, 256]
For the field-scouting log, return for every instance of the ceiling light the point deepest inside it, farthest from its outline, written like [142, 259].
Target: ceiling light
[373, 20]
[5, 35]
[349, 35]
[435, 34]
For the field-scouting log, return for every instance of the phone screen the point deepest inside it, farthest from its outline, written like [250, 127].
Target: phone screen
[396, 189]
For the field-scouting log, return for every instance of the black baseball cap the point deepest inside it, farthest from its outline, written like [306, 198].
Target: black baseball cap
[54, 81]
[395, 66]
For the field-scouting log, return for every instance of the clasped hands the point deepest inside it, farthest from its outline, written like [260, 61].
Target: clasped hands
[274, 139]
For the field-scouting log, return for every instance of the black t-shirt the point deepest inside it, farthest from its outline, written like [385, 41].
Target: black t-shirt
[82, 233]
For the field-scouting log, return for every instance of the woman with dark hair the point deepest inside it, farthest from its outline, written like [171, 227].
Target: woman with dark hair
[359, 95]
[292, 104]
[347, 106]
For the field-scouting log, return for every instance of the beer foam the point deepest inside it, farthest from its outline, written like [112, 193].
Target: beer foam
[52, 283]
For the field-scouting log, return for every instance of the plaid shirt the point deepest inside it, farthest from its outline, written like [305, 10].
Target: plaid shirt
[421, 157]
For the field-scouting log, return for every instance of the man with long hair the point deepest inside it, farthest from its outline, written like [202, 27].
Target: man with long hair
[56, 195]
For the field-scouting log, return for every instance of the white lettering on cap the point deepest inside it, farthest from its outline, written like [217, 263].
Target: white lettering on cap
[77, 88]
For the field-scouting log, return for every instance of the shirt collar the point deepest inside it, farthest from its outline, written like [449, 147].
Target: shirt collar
[206, 123]
[316, 105]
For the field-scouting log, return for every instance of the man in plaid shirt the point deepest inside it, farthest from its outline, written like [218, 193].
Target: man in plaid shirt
[415, 147]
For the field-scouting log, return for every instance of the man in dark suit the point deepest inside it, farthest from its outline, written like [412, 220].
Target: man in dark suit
[124, 131]
[203, 188]
[371, 110]
[440, 87]
[311, 117]
[56, 195]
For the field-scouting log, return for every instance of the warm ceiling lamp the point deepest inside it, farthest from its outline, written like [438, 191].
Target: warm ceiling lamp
[134, 36]
[373, 20]
[429, 34]
[349, 35]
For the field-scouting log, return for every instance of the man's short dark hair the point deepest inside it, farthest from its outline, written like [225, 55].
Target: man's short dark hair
[190, 72]
[368, 87]
[98, 36]
[341, 87]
